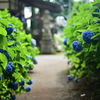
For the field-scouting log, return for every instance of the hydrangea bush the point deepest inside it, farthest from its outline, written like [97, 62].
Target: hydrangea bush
[15, 47]
[83, 42]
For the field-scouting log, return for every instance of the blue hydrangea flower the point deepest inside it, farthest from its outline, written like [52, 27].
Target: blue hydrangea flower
[30, 57]
[28, 88]
[3, 99]
[69, 77]
[9, 39]
[8, 69]
[76, 46]
[0, 77]
[1, 51]
[87, 36]
[75, 80]
[22, 83]
[65, 41]
[10, 24]
[10, 63]
[98, 21]
[35, 60]
[13, 85]
[30, 68]
[13, 97]
[7, 55]
[72, 25]
[9, 30]
[14, 44]
[30, 82]
[96, 15]
[33, 41]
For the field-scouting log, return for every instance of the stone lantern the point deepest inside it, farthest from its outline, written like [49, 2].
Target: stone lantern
[47, 45]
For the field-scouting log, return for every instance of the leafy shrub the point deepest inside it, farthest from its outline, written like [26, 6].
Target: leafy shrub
[15, 47]
[83, 42]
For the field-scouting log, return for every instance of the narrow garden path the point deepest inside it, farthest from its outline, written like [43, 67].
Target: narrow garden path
[50, 81]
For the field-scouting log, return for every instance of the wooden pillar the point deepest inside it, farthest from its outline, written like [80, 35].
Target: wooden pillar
[9, 4]
[32, 20]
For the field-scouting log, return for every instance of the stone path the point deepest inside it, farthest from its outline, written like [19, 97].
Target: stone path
[50, 82]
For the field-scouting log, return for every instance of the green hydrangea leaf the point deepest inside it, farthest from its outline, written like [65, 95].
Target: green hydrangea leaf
[4, 60]
[0, 71]
[17, 76]
[3, 42]
[11, 52]
[10, 42]
[3, 31]
[4, 22]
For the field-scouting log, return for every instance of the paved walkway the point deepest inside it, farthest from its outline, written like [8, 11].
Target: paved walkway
[50, 82]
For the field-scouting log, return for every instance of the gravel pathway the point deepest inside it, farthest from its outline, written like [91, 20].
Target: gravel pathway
[50, 82]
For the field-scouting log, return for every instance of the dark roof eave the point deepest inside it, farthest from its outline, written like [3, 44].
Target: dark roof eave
[44, 5]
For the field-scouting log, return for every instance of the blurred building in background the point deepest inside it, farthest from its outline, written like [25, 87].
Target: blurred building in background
[32, 23]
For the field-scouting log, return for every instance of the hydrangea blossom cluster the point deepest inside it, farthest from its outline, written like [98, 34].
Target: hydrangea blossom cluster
[8, 69]
[65, 41]
[70, 78]
[76, 46]
[9, 30]
[13, 97]
[28, 88]
[30, 57]
[75, 80]
[22, 83]
[33, 41]
[87, 36]
[98, 21]
[35, 60]
[72, 25]
[30, 68]
[1, 51]
[14, 44]
[7, 55]
[96, 15]
[13, 85]
[10, 63]
[10, 24]
[30, 82]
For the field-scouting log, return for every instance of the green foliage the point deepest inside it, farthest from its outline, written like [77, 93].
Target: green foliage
[86, 63]
[15, 48]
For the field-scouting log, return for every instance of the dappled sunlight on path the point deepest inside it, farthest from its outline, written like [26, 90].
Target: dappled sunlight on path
[50, 82]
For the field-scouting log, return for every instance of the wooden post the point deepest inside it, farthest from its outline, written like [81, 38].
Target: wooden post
[69, 7]
[32, 20]
[9, 4]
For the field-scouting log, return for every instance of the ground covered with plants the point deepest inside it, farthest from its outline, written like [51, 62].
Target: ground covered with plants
[82, 46]
[16, 55]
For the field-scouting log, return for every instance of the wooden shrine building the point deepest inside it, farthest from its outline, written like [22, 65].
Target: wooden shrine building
[17, 7]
